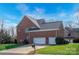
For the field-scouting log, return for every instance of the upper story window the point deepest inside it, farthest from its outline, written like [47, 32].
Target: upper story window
[31, 28]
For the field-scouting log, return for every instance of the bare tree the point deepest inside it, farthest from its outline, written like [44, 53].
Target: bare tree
[2, 26]
[1, 30]
[77, 17]
[12, 31]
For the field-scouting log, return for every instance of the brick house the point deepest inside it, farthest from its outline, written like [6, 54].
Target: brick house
[38, 31]
[71, 34]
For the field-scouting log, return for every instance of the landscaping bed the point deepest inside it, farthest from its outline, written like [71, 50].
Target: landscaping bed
[67, 49]
[8, 46]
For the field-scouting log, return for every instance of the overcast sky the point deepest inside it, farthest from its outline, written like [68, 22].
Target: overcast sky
[13, 13]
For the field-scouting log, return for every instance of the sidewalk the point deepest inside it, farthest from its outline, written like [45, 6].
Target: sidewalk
[24, 50]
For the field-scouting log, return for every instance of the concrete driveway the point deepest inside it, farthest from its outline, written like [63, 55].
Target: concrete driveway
[24, 50]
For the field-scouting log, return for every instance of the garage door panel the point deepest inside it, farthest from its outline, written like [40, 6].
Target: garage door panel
[52, 40]
[39, 40]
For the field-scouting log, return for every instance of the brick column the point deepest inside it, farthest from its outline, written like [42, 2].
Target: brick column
[30, 38]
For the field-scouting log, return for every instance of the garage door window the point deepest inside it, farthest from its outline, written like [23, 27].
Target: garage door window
[39, 40]
[52, 40]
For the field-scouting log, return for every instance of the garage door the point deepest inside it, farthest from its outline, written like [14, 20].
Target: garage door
[52, 40]
[40, 40]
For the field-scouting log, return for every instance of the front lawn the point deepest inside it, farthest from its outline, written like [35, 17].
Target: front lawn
[68, 49]
[7, 46]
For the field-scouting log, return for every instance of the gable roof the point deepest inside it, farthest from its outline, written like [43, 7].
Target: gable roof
[34, 21]
[45, 26]
[31, 19]
[42, 25]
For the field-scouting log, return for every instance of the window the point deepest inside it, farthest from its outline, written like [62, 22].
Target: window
[31, 28]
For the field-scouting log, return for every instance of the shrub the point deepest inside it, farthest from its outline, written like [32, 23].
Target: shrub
[11, 46]
[25, 41]
[15, 41]
[76, 40]
[60, 40]
[5, 38]
[8, 46]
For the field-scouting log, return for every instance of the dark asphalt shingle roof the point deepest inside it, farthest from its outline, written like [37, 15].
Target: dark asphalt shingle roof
[46, 25]
[50, 25]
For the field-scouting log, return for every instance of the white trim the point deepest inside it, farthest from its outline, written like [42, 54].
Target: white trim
[34, 21]
[42, 30]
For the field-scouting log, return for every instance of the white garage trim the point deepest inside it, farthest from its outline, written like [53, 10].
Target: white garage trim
[52, 40]
[39, 40]
[42, 30]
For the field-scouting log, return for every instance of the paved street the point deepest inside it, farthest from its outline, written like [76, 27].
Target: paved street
[24, 50]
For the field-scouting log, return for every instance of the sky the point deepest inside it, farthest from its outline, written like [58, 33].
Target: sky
[12, 13]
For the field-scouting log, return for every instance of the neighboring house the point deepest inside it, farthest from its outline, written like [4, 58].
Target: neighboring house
[38, 31]
[71, 33]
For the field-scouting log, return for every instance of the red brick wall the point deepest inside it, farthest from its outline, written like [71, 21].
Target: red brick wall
[46, 34]
[25, 23]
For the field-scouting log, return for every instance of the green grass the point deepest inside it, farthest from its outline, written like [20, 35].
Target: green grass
[68, 49]
[7, 46]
